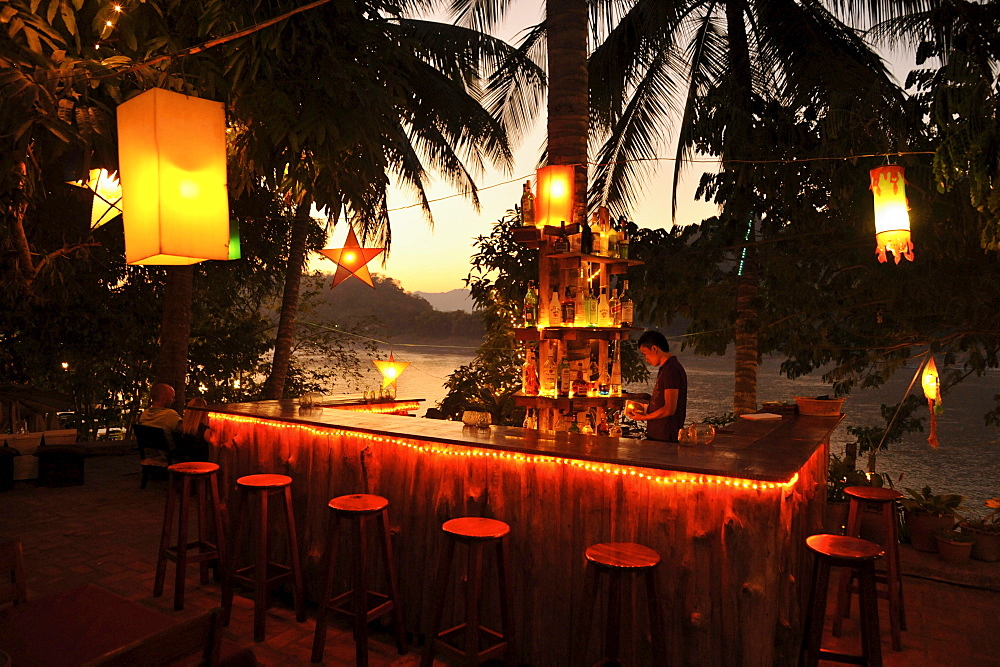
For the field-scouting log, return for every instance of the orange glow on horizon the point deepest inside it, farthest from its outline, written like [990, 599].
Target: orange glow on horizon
[538, 459]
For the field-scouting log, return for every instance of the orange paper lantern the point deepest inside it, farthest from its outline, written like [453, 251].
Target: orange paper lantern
[172, 155]
[931, 383]
[107, 196]
[554, 201]
[892, 218]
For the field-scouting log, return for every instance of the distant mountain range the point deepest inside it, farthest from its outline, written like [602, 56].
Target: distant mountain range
[456, 299]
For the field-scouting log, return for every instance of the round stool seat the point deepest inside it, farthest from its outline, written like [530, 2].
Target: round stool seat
[843, 547]
[358, 503]
[622, 555]
[873, 493]
[264, 481]
[475, 528]
[194, 468]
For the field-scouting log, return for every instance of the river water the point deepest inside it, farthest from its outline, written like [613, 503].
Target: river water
[967, 462]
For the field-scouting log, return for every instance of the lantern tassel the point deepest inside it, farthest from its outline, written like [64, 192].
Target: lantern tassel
[932, 438]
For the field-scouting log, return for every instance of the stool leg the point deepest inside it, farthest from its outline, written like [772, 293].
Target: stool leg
[844, 586]
[474, 592]
[182, 543]
[503, 573]
[319, 639]
[360, 594]
[655, 618]
[293, 550]
[590, 588]
[613, 631]
[200, 485]
[229, 565]
[390, 573]
[897, 619]
[260, 571]
[871, 644]
[444, 569]
[816, 614]
[168, 523]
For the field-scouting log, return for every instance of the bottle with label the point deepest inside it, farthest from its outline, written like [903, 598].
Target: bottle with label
[527, 205]
[565, 377]
[548, 375]
[604, 384]
[613, 241]
[616, 371]
[623, 242]
[561, 243]
[555, 308]
[603, 309]
[574, 426]
[627, 307]
[529, 374]
[586, 241]
[580, 298]
[614, 428]
[530, 420]
[616, 308]
[531, 305]
[591, 304]
[580, 385]
[568, 308]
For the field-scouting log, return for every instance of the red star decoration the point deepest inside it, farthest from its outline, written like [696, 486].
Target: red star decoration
[352, 260]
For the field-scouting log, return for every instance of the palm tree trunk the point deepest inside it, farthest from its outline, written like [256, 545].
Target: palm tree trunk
[274, 386]
[175, 330]
[745, 371]
[569, 104]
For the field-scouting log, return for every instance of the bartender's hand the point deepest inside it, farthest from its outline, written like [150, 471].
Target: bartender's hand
[637, 411]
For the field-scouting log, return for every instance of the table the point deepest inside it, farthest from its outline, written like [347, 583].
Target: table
[75, 626]
[729, 519]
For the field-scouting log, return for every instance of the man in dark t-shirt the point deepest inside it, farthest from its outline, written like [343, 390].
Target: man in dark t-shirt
[668, 406]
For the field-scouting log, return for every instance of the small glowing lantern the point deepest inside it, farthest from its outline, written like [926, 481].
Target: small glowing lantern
[390, 370]
[892, 219]
[172, 154]
[352, 260]
[931, 383]
[554, 201]
[107, 196]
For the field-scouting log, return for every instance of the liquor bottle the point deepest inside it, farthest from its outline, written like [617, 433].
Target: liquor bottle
[574, 427]
[591, 304]
[603, 309]
[565, 377]
[595, 236]
[568, 308]
[616, 371]
[555, 308]
[602, 427]
[561, 243]
[614, 428]
[623, 242]
[613, 241]
[527, 205]
[531, 305]
[604, 384]
[580, 385]
[529, 374]
[548, 375]
[627, 307]
[586, 241]
[581, 298]
[615, 304]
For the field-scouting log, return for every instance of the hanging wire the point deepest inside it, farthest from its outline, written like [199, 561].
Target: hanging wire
[899, 407]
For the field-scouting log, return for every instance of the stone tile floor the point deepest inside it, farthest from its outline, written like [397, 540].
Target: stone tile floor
[106, 532]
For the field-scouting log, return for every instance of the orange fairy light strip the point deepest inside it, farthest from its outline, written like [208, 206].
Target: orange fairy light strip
[472, 452]
[378, 408]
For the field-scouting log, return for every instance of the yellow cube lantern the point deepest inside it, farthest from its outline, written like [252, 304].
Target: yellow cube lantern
[554, 200]
[172, 159]
[892, 218]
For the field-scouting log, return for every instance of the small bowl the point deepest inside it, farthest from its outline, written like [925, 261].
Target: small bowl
[822, 407]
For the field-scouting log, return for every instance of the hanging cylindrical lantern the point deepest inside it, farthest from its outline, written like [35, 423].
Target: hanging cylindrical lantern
[931, 383]
[172, 159]
[554, 201]
[892, 218]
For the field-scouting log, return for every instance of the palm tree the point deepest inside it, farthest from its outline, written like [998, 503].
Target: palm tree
[338, 104]
[716, 65]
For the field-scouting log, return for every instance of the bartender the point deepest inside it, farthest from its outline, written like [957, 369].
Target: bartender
[667, 408]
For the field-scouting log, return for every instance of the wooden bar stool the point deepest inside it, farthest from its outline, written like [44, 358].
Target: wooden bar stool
[885, 499]
[476, 533]
[844, 551]
[201, 478]
[263, 573]
[359, 508]
[617, 560]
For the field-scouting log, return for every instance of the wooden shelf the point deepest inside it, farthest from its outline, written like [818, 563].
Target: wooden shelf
[577, 402]
[596, 259]
[574, 333]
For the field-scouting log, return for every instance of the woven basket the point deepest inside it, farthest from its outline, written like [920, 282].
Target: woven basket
[819, 406]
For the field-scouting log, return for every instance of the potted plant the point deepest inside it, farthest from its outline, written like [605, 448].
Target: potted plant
[986, 531]
[840, 475]
[954, 547]
[926, 512]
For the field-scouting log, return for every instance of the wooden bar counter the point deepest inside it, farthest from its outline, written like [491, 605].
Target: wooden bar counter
[728, 519]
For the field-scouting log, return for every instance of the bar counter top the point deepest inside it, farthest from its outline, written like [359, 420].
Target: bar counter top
[771, 450]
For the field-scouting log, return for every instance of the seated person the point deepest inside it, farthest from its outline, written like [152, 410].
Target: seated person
[195, 431]
[161, 415]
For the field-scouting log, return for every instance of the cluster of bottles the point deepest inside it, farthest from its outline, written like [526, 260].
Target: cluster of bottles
[558, 377]
[597, 237]
[588, 422]
[579, 305]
